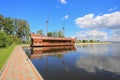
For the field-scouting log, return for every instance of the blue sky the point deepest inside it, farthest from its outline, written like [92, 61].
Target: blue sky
[86, 19]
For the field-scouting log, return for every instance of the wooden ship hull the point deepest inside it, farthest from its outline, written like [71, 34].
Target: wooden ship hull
[43, 41]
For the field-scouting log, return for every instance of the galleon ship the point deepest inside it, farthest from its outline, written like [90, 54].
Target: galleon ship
[45, 41]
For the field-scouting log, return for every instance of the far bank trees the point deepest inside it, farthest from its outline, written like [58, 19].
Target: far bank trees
[87, 41]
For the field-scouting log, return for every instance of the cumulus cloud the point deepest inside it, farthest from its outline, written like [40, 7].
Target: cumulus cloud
[66, 17]
[111, 21]
[116, 35]
[92, 34]
[107, 21]
[63, 1]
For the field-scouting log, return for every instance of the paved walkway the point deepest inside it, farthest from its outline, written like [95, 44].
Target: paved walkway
[19, 67]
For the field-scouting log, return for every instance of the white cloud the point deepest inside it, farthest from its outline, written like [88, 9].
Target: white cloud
[111, 21]
[115, 36]
[66, 17]
[106, 21]
[63, 1]
[112, 9]
[92, 34]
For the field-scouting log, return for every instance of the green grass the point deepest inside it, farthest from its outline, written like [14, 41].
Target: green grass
[4, 54]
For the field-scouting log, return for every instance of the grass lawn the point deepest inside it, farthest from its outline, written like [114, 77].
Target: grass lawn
[4, 54]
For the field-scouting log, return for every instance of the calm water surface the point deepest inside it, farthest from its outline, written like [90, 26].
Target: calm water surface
[87, 62]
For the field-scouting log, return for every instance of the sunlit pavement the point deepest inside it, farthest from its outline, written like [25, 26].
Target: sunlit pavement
[19, 67]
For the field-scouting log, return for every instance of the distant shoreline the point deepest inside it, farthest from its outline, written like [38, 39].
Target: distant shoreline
[92, 43]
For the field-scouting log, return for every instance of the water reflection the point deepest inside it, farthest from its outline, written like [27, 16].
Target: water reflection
[58, 51]
[99, 57]
[93, 63]
[93, 49]
[82, 62]
[52, 60]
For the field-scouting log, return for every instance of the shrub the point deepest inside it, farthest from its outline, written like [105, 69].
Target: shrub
[5, 40]
[16, 40]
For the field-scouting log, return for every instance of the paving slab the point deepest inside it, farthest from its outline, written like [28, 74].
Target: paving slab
[19, 67]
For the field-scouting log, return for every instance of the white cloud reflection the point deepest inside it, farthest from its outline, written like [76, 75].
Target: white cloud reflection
[93, 49]
[92, 63]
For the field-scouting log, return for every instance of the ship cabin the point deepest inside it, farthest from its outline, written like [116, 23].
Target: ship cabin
[44, 41]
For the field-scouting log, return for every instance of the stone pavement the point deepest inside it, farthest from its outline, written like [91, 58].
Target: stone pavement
[19, 67]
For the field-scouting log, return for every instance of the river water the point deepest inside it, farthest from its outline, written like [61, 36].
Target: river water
[80, 62]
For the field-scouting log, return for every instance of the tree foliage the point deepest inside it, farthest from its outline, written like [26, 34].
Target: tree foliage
[22, 29]
[5, 39]
[50, 34]
[6, 25]
[40, 32]
[91, 41]
[56, 34]
[13, 29]
[87, 41]
[84, 41]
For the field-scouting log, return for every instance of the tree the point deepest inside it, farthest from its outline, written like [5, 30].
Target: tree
[55, 34]
[91, 41]
[1, 24]
[5, 39]
[40, 32]
[16, 29]
[8, 25]
[50, 34]
[22, 29]
[60, 34]
[78, 41]
[84, 41]
[98, 40]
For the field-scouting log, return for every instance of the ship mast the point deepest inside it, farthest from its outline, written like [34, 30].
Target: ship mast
[63, 28]
[47, 22]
